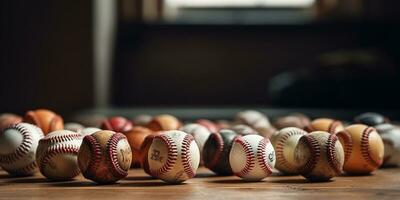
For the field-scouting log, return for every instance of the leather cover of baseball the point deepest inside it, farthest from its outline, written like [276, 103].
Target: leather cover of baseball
[252, 157]
[173, 157]
[18, 144]
[105, 157]
[320, 155]
[8, 119]
[199, 133]
[390, 135]
[211, 126]
[252, 118]
[57, 153]
[47, 120]
[72, 126]
[117, 124]
[324, 124]
[89, 131]
[243, 130]
[363, 147]
[294, 120]
[136, 138]
[285, 142]
[164, 123]
[216, 152]
[371, 119]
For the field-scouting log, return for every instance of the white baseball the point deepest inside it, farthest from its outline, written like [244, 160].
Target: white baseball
[72, 126]
[242, 129]
[89, 131]
[390, 135]
[199, 132]
[173, 157]
[252, 157]
[57, 153]
[253, 118]
[18, 144]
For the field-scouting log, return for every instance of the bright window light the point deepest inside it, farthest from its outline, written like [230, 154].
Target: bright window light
[240, 3]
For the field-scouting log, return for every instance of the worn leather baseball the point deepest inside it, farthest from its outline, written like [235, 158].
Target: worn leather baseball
[253, 118]
[8, 119]
[117, 124]
[47, 120]
[324, 124]
[144, 151]
[371, 119]
[243, 130]
[72, 126]
[173, 156]
[89, 131]
[285, 142]
[18, 144]
[142, 120]
[363, 147]
[105, 157]
[293, 120]
[200, 135]
[320, 155]
[390, 135]
[164, 123]
[211, 126]
[252, 157]
[216, 151]
[136, 138]
[57, 153]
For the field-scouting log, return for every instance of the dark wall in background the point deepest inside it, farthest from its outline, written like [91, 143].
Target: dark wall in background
[46, 55]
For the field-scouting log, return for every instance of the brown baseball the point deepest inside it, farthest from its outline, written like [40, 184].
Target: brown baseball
[164, 123]
[363, 147]
[105, 157]
[47, 120]
[136, 138]
[324, 124]
[144, 150]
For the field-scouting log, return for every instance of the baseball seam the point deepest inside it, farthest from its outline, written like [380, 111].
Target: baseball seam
[348, 144]
[114, 166]
[332, 127]
[171, 156]
[279, 149]
[262, 156]
[365, 147]
[249, 165]
[220, 148]
[314, 157]
[25, 170]
[61, 138]
[95, 151]
[55, 150]
[331, 154]
[23, 149]
[186, 157]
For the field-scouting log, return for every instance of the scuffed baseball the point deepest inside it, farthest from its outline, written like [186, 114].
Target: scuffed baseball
[252, 157]
[47, 120]
[199, 132]
[390, 135]
[363, 147]
[173, 157]
[18, 144]
[320, 155]
[105, 157]
[57, 153]
[285, 142]
[324, 124]
[164, 123]
[89, 131]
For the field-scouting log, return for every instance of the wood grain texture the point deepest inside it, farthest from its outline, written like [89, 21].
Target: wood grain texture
[384, 184]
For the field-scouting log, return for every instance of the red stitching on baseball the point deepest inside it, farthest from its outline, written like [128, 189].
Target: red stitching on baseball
[31, 167]
[249, 157]
[186, 157]
[333, 126]
[55, 150]
[348, 143]
[115, 168]
[365, 149]
[171, 156]
[312, 143]
[23, 149]
[331, 153]
[220, 148]
[61, 138]
[262, 156]
[279, 148]
[95, 158]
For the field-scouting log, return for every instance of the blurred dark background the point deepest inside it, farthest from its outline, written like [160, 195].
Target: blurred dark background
[72, 55]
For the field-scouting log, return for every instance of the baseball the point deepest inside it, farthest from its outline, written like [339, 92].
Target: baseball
[244, 130]
[324, 124]
[8, 119]
[47, 120]
[294, 120]
[144, 151]
[89, 131]
[136, 138]
[216, 151]
[253, 119]
[320, 155]
[390, 135]
[57, 153]
[75, 127]
[117, 124]
[284, 143]
[199, 133]
[371, 119]
[363, 147]
[105, 157]
[173, 157]
[164, 123]
[252, 157]
[18, 145]
[211, 126]
[142, 120]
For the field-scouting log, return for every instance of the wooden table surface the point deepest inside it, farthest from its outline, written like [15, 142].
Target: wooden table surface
[383, 184]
